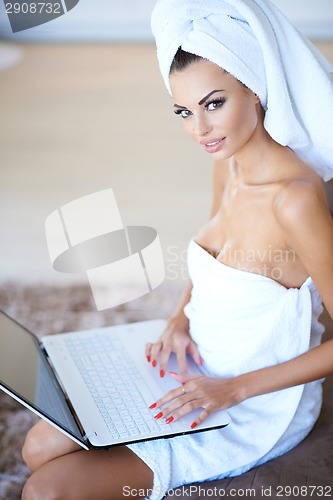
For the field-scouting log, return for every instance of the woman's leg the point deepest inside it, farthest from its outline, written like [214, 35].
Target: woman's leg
[44, 443]
[91, 475]
[67, 472]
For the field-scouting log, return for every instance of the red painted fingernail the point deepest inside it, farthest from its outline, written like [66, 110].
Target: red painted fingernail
[159, 415]
[151, 407]
[200, 362]
[154, 363]
[162, 373]
[169, 420]
[194, 425]
[148, 359]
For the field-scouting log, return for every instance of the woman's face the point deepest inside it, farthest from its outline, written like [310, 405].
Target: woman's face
[217, 110]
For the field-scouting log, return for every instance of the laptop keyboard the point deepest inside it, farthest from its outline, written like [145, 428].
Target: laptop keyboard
[115, 384]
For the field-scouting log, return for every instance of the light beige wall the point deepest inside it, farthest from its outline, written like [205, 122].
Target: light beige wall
[79, 118]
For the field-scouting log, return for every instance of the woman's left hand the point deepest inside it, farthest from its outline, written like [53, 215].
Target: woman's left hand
[198, 391]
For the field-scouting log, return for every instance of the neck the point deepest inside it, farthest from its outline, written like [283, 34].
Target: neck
[251, 164]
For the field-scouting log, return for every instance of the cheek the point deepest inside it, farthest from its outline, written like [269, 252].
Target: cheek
[243, 117]
[188, 126]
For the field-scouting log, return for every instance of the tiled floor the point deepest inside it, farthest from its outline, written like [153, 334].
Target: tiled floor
[76, 119]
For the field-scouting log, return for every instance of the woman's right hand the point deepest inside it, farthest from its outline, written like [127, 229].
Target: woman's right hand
[175, 338]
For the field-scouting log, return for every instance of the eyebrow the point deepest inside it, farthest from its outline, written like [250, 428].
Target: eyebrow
[202, 100]
[208, 95]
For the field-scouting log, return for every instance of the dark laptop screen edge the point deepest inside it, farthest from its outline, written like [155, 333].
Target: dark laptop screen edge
[42, 415]
[60, 393]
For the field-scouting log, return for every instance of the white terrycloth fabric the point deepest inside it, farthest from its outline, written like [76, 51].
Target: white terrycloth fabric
[254, 42]
[241, 322]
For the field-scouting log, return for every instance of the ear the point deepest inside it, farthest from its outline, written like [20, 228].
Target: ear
[256, 99]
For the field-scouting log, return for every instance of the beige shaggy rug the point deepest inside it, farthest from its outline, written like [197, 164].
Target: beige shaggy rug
[47, 310]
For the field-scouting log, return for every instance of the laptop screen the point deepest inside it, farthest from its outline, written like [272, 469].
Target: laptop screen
[25, 372]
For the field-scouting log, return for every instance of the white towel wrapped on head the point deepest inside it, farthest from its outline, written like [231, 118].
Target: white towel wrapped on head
[254, 42]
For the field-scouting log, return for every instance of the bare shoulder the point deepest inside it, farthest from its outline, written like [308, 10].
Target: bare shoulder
[301, 201]
[305, 221]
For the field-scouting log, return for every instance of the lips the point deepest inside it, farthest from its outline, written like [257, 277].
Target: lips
[213, 145]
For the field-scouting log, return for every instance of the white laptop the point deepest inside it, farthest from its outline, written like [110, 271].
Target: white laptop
[95, 386]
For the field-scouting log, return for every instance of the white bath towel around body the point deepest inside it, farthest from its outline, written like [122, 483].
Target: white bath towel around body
[241, 322]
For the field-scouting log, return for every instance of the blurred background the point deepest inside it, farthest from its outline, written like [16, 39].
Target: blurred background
[84, 108]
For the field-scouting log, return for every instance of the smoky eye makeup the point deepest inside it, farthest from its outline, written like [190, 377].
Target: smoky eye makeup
[215, 103]
[210, 105]
[184, 113]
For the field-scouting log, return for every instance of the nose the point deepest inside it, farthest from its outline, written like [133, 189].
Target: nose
[201, 126]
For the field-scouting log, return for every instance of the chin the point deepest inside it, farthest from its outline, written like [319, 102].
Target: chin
[221, 155]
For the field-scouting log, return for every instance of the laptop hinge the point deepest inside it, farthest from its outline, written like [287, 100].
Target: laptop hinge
[63, 390]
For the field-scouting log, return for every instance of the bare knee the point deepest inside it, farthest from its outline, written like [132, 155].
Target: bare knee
[33, 451]
[37, 488]
[44, 443]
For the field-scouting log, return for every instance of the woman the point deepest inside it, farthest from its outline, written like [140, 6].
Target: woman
[250, 313]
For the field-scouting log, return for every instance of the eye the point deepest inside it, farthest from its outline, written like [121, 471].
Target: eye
[184, 113]
[214, 104]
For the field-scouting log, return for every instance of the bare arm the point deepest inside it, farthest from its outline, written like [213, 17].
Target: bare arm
[219, 178]
[175, 337]
[312, 365]
[306, 222]
[307, 225]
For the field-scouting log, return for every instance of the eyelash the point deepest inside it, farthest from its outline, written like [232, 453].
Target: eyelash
[219, 101]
